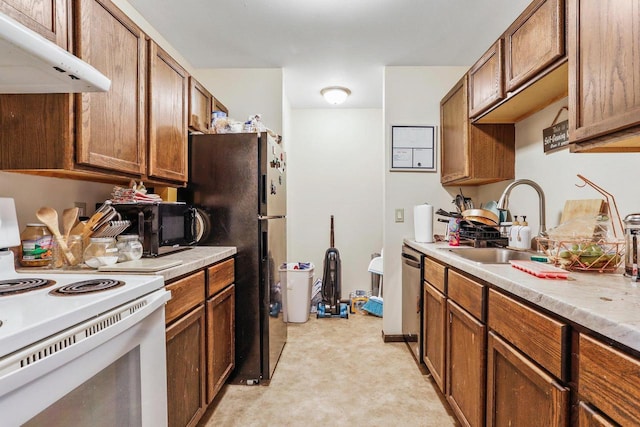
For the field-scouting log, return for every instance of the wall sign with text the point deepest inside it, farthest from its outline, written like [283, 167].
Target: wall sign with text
[413, 148]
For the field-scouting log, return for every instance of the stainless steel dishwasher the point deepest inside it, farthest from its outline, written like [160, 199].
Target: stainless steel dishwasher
[412, 299]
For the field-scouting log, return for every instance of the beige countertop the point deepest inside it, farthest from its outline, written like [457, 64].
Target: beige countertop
[608, 304]
[192, 259]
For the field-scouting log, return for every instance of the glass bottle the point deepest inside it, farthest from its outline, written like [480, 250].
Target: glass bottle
[129, 247]
[37, 246]
[101, 251]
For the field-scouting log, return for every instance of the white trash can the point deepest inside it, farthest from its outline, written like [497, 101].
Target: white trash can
[298, 277]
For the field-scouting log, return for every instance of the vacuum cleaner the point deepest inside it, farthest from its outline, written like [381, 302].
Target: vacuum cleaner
[330, 306]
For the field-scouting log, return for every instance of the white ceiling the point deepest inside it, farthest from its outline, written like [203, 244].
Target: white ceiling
[322, 43]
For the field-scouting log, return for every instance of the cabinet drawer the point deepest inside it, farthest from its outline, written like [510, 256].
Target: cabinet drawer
[466, 293]
[220, 275]
[434, 273]
[538, 336]
[610, 380]
[185, 294]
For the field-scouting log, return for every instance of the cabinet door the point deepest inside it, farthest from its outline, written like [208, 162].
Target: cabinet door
[110, 126]
[49, 18]
[533, 41]
[219, 106]
[609, 380]
[589, 417]
[604, 67]
[519, 393]
[435, 326]
[220, 340]
[200, 106]
[472, 154]
[486, 83]
[168, 86]
[186, 369]
[466, 340]
[454, 135]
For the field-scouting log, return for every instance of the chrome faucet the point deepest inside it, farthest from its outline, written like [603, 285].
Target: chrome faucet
[503, 203]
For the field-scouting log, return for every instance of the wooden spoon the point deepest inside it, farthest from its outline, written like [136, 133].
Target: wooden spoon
[69, 218]
[49, 217]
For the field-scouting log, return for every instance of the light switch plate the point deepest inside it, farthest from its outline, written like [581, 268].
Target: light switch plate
[400, 215]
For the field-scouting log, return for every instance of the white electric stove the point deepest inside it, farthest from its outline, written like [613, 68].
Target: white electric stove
[97, 338]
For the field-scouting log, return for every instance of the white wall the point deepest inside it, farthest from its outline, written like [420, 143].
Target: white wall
[247, 91]
[412, 97]
[556, 173]
[334, 159]
[33, 192]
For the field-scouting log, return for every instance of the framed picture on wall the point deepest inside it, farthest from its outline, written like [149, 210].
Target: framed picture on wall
[413, 148]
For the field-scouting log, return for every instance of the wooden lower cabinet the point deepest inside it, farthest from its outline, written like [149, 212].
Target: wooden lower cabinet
[434, 333]
[220, 339]
[200, 318]
[519, 393]
[465, 385]
[589, 417]
[186, 369]
[609, 380]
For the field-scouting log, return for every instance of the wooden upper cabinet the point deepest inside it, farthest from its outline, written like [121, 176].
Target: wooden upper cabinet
[200, 106]
[604, 74]
[485, 80]
[472, 154]
[49, 18]
[219, 106]
[110, 126]
[454, 135]
[534, 41]
[168, 109]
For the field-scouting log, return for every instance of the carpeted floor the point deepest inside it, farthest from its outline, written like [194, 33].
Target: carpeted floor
[336, 372]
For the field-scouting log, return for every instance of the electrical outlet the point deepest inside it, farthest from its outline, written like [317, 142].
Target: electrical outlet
[400, 215]
[82, 208]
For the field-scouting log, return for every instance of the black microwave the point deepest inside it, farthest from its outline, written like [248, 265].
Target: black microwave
[162, 227]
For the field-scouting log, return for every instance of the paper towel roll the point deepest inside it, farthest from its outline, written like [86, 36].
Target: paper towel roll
[423, 223]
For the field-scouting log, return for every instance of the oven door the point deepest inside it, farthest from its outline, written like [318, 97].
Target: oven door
[109, 371]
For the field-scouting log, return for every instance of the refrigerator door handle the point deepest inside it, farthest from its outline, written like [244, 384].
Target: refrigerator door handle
[264, 243]
[263, 190]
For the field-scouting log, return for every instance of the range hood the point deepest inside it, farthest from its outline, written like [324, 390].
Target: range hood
[29, 63]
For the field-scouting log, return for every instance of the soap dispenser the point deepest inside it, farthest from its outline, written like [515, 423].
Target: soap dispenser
[513, 232]
[524, 234]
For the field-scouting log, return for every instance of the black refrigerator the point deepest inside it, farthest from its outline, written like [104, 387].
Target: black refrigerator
[238, 180]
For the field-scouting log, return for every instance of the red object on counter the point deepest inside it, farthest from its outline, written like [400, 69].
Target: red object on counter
[539, 269]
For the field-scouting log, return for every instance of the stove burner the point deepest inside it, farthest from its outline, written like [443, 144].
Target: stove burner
[17, 286]
[86, 287]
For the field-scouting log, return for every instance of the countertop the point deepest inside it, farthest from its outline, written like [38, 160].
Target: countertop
[608, 304]
[193, 258]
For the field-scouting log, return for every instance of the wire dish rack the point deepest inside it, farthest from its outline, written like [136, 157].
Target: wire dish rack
[601, 250]
[112, 228]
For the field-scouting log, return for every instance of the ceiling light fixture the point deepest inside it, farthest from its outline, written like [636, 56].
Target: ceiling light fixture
[335, 94]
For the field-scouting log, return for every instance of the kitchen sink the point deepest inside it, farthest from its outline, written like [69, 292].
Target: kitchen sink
[490, 255]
